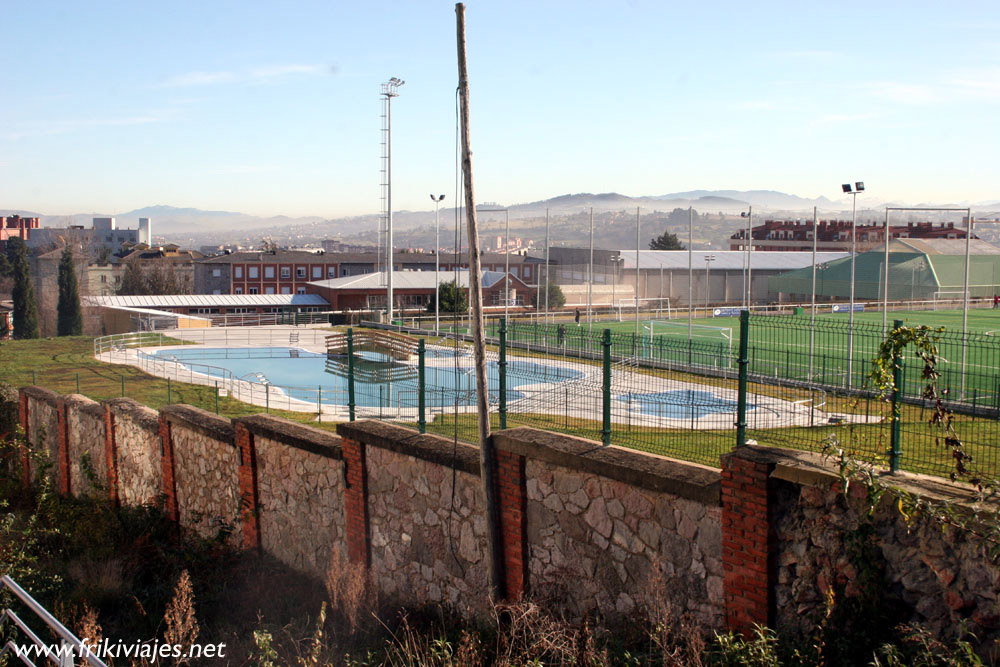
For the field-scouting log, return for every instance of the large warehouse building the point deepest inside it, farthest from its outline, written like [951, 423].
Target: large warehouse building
[918, 270]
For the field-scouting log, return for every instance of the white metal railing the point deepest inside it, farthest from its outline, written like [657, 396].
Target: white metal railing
[69, 648]
[243, 336]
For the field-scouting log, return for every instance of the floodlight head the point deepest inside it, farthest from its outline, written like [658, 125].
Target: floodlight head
[859, 186]
[743, 214]
[846, 187]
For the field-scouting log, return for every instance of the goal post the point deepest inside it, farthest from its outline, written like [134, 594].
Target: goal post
[700, 333]
[660, 306]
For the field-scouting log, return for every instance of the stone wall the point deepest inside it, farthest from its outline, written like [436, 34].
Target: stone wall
[601, 545]
[88, 465]
[300, 481]
[427, 543]
[942, 577]
[136, 448]
[585, 529]
[206, 479]
[43, 429]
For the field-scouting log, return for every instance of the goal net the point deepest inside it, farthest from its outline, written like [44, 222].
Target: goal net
[703, 336]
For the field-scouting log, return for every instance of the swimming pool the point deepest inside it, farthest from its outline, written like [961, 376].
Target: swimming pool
[680, 403]
[378, 380]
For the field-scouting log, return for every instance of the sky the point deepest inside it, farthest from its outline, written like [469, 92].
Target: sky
[268, 108]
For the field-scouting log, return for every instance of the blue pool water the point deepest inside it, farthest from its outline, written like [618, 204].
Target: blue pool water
[378, 380]
[680, 403]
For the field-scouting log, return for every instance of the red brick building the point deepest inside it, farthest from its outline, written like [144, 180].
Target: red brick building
[412, 290]
[835, 235]
[15, 226]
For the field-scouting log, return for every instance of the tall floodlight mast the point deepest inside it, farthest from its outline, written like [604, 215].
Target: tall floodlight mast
[390, 89]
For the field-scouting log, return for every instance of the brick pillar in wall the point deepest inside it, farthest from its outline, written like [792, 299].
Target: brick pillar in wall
[747, 543]
[512, 495]
[24, 415]
[356, 501]
[111, 454]
[63, 455]
[167, 458]
[249, 498]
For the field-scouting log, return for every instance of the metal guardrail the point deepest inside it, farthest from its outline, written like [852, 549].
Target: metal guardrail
[70, 646]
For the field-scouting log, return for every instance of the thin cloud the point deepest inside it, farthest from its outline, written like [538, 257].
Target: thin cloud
[834, 118]
[906, 93]
[285, 70]
[242, 169]
[67, 126]
[266, 74]
[197, 79]
[811, 54]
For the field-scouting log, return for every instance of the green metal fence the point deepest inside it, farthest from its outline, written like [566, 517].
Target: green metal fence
[777, 380]
[780, 380]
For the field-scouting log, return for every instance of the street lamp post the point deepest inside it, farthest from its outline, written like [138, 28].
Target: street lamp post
[506, 241]
[859, 186]
[437, 264]
[748, 214]
[708, 285]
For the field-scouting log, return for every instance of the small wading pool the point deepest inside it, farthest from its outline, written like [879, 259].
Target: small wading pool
[680, 404]
[377, 381]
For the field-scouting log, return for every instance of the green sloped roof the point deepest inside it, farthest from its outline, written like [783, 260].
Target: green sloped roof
[912, 275]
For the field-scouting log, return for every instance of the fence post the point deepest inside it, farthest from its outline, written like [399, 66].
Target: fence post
[744, 363]
[216, 395]
[78, 383]
[319, 404]
[123, 386]
[896, 454]
[606, 421]
[502, 373]
[350, 373]
[421, 388]
[169, 398]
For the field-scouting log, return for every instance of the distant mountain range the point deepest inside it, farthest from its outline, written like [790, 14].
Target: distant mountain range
[192, 223]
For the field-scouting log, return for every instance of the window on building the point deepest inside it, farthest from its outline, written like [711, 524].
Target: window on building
[331, 272]
[269, 272]
[254, 272]
[527, 272]
[104, 279]
[317, 272]
[268, 290]
[216, 291]
[238, 290]
[216, 273]
[300, 290]
[238, 271]
[286, 290]
[253, 290]
[286, 272]
[300, 272]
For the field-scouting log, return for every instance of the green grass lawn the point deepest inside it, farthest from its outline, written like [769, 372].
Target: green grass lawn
[67, 365]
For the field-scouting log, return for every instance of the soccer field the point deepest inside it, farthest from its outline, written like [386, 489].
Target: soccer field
[980, 320]
[788, 347]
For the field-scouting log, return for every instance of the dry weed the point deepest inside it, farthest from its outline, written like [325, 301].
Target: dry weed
[182, 626]
[350, 590]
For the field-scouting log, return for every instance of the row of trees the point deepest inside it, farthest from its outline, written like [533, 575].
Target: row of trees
[14, 265]
[139, 281]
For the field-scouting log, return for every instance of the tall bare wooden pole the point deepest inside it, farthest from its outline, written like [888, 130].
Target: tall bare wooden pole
[487, 459]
